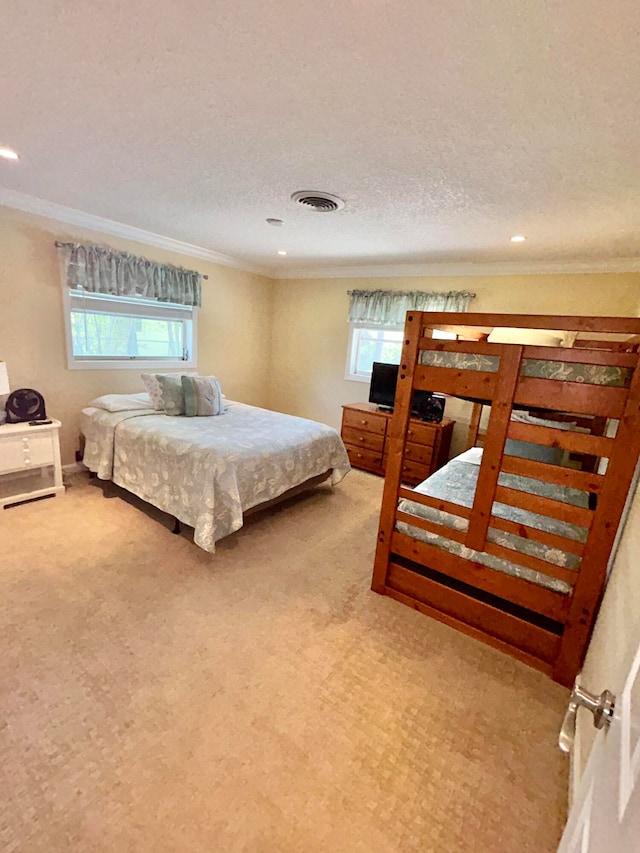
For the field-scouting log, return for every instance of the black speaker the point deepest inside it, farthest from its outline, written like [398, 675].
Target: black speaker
[431, 409]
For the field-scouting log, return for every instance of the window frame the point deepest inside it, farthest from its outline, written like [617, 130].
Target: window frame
[131, 306]
[352, 352]
[354, 330]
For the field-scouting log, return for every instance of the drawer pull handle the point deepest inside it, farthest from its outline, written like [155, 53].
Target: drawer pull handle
[363, 422]
[361, 438]
[359, 455]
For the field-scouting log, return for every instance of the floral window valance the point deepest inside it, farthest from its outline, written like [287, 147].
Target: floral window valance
[389, 307]
[98, 269]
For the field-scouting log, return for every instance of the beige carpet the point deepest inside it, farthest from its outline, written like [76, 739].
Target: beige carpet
[157, 698]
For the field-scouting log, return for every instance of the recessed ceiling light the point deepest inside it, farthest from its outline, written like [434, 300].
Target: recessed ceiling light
[518, 238]
[8, 153]
[282, 251]
[271, 221]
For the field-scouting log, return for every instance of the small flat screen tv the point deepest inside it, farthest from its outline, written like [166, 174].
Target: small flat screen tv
[382, 391]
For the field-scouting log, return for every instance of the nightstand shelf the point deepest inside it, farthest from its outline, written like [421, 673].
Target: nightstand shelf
[30, 465]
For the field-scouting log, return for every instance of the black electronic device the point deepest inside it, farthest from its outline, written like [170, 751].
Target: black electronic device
[430, 409]
[24, 405]
[382, 392]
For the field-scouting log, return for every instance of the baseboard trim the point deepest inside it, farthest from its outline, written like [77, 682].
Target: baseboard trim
[74, 468]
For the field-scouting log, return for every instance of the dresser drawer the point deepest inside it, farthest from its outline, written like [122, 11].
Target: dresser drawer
[422, 433]
[420, 453]
[361, 458]
[364, 421]
[40, 449]
[414, 473]
[368, 440]
[22, 451]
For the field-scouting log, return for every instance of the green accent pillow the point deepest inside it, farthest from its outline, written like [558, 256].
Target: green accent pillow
[172, 394]
[202, 396]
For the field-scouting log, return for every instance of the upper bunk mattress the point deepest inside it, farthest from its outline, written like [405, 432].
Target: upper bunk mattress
[207, 471]
[456, 482]
[590, 374]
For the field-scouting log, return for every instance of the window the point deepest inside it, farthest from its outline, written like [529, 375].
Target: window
[113, 331]
[376, 343]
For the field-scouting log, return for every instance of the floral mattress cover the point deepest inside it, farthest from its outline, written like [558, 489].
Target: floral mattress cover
[207, 471]
[591, 374]
[456, 482]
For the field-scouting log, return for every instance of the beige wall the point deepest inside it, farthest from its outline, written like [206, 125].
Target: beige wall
[234, 329]
[310, 329]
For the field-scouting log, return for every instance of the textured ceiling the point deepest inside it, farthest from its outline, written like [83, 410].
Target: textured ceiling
[446, 127]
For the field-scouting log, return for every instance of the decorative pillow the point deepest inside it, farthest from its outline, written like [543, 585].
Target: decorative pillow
[531, 450]
[152, 384]
[171, 392]
[122, 402]
[150, 381]
[202, 396]
[537, 452]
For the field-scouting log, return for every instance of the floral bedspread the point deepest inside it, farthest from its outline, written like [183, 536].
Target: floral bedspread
[456, 482]
[207, 471]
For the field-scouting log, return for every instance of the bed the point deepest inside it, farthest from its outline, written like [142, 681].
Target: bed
[208, 472]
[456, 483]
[511, 542]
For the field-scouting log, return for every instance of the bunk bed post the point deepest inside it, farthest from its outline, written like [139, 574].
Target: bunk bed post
[592, 576]
[474, 425]
[397, 439]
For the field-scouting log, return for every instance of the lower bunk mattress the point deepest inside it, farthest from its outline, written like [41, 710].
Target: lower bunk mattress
[456, 483]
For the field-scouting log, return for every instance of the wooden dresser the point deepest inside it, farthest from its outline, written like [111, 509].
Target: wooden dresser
[364, 432]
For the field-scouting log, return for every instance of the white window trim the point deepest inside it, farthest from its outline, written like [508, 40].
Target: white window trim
[350, 373]
[133, 363]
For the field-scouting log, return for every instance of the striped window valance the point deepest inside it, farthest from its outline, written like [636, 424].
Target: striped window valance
[389, 307]
[99, 269]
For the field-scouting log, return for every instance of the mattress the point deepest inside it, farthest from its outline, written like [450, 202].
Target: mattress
[208, 471]
[590, 374]
[456, 482]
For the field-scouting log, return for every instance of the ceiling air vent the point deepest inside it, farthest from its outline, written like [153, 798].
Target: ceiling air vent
[320, 202]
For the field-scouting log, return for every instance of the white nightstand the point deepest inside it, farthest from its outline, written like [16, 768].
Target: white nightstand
[23, 450]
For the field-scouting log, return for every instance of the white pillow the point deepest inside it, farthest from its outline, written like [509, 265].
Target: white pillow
[122, 402]
[527, 418]
[473, 456]
[531, 337]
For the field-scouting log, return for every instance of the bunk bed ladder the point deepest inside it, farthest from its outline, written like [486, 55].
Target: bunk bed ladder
[499, 420]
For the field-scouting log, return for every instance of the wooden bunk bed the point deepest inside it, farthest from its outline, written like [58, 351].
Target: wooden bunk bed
[499, 544]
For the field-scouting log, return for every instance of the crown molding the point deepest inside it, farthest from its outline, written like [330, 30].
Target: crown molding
[442, 270]
[71, 216]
